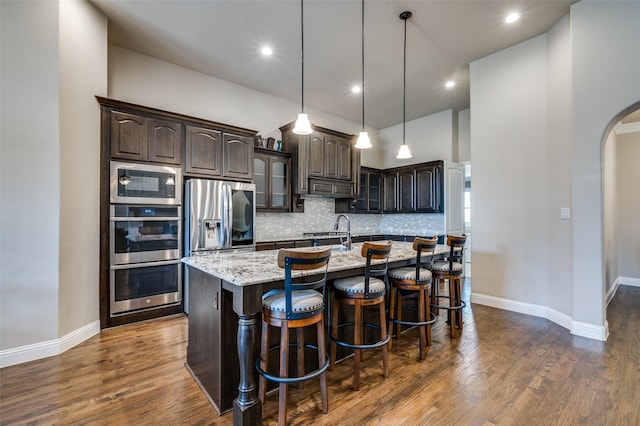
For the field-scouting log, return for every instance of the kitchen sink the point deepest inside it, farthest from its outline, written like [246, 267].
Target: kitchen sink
[344, 248]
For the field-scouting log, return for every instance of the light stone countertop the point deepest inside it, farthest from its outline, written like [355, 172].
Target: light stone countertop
[244, 267]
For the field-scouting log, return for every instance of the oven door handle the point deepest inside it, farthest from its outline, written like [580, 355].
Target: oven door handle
[145, 264]
[142, 218]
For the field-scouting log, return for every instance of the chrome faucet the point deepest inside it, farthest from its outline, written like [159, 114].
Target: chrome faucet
[347, 244]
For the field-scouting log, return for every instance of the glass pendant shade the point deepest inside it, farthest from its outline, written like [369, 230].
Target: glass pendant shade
[363, 141]
[303, 126]
[403, 152]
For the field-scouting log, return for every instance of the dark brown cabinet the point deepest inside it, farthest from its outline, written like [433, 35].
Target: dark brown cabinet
[369, 194]
[329, 157]
[271, 175]
[324, 163]
[145, 138]
[428, 198]
[390, 191]
[204, 151]
[413, 189]
[211, 152]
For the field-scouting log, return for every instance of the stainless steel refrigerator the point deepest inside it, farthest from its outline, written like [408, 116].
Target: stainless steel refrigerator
[219, 215]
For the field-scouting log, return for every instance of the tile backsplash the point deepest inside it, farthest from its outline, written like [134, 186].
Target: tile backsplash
[319, 215]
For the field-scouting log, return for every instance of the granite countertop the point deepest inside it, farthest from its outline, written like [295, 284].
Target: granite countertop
[244, 267]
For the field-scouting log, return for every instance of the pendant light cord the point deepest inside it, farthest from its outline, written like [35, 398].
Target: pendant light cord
[404, 82]
[362, 87]
[302, 38]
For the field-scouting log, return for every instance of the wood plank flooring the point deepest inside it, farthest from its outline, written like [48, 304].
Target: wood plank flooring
[505, 369]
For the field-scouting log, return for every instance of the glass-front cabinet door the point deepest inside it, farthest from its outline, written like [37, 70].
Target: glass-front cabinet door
[279, 183]
[271, 175]
[260, 163]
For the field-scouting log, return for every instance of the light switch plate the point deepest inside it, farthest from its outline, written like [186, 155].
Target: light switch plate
[565, 213]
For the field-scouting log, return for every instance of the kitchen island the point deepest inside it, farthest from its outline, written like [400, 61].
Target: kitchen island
[225, 291]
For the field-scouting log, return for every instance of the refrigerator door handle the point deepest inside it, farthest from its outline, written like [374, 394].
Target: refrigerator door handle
[228, 211]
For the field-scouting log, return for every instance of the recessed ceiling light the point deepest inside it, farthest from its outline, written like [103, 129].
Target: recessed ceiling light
[266, 51]
[449, 84]
[356, 89]
[512, 17]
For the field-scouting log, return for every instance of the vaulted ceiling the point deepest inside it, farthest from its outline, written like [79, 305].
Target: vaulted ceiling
[222, 38]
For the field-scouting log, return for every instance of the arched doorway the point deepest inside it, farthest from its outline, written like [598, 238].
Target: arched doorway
[621, 201]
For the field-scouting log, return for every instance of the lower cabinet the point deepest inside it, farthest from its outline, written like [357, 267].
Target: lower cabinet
[212, 354]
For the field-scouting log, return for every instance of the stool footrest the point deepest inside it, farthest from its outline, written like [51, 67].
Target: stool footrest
[433, 319]
[304, 378]
[363, 346]
[462, 304]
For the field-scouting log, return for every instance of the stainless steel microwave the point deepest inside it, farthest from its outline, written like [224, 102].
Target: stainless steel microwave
[133, 183]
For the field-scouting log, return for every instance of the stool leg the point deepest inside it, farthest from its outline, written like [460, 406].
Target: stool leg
[399, 311]
[358, 341]
[322, 358]
[264, 361]
[334, 332]
[423, 333]
[383, 335]
[284, 363]
[434, 295]
[300, 353]
[427, 312]
[392, 313]
[450, 312]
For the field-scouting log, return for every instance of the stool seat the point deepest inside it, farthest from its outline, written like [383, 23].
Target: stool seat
[355, 285]
[409, 273]
[301, 301]
[453, 267]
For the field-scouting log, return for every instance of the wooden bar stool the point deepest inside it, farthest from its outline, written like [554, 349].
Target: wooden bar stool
[361, 291]
[451, 270]
[298, 305]
[410, 280]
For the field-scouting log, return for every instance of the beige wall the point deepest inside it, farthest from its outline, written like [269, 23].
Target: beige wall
[609, 213]
[429, 138]
[53, 64]
[628, 206]
[144, 80]
[30, 173]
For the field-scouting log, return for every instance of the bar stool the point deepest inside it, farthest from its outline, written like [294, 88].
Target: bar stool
[410, 280]
[450, 269]
[298, 305]
[361, 291]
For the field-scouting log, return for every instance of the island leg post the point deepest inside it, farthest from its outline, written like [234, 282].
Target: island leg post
[247, 408]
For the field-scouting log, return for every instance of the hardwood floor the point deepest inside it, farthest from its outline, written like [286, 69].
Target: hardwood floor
[505, 369]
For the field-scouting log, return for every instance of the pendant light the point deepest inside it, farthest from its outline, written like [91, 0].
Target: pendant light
[363, 141]
[303, 126]
[403, 152]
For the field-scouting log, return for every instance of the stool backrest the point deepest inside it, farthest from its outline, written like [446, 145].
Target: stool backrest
[310, 260]
[374, 251]
[456, 251]
[426, 246]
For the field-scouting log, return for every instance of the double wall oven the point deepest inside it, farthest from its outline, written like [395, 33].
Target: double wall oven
[145, 237]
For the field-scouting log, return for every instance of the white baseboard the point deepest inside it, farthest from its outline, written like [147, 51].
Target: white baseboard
[633, 282]
[49, 348]
[579, 329]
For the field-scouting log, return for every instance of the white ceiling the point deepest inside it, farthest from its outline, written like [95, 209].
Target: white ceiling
[222, 38]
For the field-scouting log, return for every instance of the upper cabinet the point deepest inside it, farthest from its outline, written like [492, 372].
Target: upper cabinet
[204, 151]
[211, 152]
[140, 137]
[413, 189]
[204, 148]
[324, 163]
[369, 194]
[271, 172]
